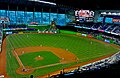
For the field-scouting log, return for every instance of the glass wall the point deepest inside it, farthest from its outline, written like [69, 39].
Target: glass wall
[12, 16]
[69, 18]
[3, 13]
[46, 18]
[20, 16]
[53, 17]
[24, 17]
[108, 20]
[37, 17]
[29, 17]
[100, 19]
[61, 19]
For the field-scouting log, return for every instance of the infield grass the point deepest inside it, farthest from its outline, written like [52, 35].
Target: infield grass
[28, 59]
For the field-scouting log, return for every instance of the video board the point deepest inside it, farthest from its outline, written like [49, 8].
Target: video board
[84, 15]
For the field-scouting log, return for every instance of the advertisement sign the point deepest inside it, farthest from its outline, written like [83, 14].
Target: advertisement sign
[84, 35]
[20, 33]
[106, 40]
[115, 20]
[8, 32]
[84, 13]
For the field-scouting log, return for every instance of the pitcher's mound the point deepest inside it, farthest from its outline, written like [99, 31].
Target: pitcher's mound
[27, 70]
[38, 58]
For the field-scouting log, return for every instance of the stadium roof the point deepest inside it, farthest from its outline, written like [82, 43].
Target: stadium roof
[90, 4]
[80, 4]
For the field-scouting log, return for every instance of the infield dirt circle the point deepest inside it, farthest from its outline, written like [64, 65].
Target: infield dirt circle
[38, 58]
[64, 55]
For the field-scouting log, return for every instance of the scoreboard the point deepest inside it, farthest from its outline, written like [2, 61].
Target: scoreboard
[84, 15]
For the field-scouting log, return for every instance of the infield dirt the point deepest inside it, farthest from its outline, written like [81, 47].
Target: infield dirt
[64, 55]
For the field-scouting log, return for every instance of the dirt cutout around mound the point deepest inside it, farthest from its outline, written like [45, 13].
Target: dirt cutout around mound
[39, 58]
[65, 55]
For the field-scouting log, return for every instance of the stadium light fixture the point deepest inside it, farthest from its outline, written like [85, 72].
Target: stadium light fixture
[46, 2]
[104, 13]
[114, 14]
[109, 13]
[118, 13]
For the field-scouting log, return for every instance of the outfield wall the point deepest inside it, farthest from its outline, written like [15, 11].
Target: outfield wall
[99, 37]
[39, 27]
[63, 29]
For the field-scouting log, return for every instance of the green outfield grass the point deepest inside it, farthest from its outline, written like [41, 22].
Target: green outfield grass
[28, 59]
[41, 28]
[79, 46]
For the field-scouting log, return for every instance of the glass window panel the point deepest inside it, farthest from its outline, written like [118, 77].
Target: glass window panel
[45, 18]
[3, 13]
[28, 17]
[12, 17]
[69, 18]
[53, 17]
[20, 17]
[100, 19]
[108, 20]
[37, 17]
[61, 20]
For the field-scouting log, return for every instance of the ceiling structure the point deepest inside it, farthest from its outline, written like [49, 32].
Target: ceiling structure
[90, 4]
[76, 4]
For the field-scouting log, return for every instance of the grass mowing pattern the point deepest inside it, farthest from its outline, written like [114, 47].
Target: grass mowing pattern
[81, 47]
[28, 59]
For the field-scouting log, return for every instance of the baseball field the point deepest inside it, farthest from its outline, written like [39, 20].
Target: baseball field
[40, 54]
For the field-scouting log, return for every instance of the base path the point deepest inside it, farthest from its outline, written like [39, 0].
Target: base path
[64, 55]
[3, 60]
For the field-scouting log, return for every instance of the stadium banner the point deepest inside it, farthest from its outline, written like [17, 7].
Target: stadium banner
[84, 35]
[106, 40]
[111, 41]
[67, 32]
[90, 36]
[100, 37]
[9, 33]
[20, 33]
[115, 20]
[79, 34]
